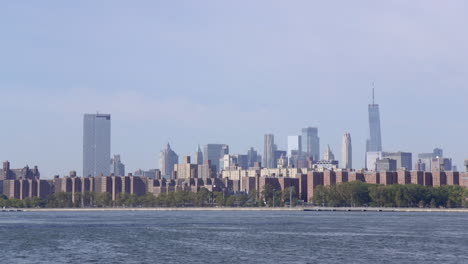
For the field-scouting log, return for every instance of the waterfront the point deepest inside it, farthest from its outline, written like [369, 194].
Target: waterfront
[233, 237]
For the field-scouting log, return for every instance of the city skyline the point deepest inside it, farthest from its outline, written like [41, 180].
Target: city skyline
[307, 64]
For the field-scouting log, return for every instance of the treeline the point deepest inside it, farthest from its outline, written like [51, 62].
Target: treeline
[358, 193]
[203, 198]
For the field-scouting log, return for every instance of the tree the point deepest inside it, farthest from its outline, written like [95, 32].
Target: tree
[268, 193]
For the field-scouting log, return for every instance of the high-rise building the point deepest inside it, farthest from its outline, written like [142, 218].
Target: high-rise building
[241, 160]
[294, 150]
[404, 160]
[466, 165]
[374, 143]
[252, 157]
[167, 159]
[294, 145]
[269, 151]
[198, 156]
[96, 144]
[347, 152]
[117, 167]
[279, 154]
[441, 164]
[310, 143]
[371, 159]
[425, 159]
[386, 164]
[328, 155]
[213, 153]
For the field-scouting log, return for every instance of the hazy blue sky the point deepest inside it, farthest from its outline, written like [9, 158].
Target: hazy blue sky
[196, 72]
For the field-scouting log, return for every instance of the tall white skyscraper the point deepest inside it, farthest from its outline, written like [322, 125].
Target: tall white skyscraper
[311, 142]
[347, 152]
[328, 155]
[167, 159]
[96, 144]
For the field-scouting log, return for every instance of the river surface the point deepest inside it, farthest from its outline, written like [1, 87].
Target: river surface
[233, 237]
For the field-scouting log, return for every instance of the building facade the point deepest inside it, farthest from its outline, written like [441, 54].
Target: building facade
[213, 153]
[269, 151]
[167, 159]
[117, 167]
[346, 152]
[404, 160]
[310, 143]
[96, 144]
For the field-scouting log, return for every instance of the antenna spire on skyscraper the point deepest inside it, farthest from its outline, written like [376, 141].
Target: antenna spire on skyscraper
[373, 93]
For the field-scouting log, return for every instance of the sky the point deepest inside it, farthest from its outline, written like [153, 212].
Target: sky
[197, 72]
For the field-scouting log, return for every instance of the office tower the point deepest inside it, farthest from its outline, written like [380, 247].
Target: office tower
[386, 164]
[426, 158]
[96, 144]
[371, 159]
[213, 153]
[310, 142]
[242, 161]
[252, 157]
[269, 151]
[438, 152]
[294, 145]
[328, 155]
[466, 165]
[279, 154]
[294, 150]
[117, 167]
[441, 164]
[374, 143]
[167, 159]
[347, 152]
[198, 156]
[404, 160]
[420, 165]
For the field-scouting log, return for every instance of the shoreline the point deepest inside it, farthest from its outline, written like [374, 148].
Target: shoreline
[217, 209]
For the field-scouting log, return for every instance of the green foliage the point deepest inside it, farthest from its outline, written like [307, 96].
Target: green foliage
[358, 193]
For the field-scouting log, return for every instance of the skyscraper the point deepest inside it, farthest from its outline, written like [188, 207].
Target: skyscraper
[198, 156]
[404, 160]
[374, 143]
[294, 145]
[252, 157]
[167, 159]
[311, 142]
[117, 167]
[328, 155]
[214, 152]
[96, 144]
[294, 150]
[269, 151]
[347, 152]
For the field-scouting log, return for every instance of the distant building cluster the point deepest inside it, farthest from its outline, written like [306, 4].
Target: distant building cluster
[193, 177]
[213, 167]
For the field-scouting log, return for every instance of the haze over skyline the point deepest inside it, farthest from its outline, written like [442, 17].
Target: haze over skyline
[198, 72]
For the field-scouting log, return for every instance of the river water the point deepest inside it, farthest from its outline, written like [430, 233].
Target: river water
[233, 237]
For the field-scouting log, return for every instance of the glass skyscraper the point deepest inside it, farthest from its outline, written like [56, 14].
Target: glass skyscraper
[215, 152]
[374, 143]
[310, 142]
[96, 144]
